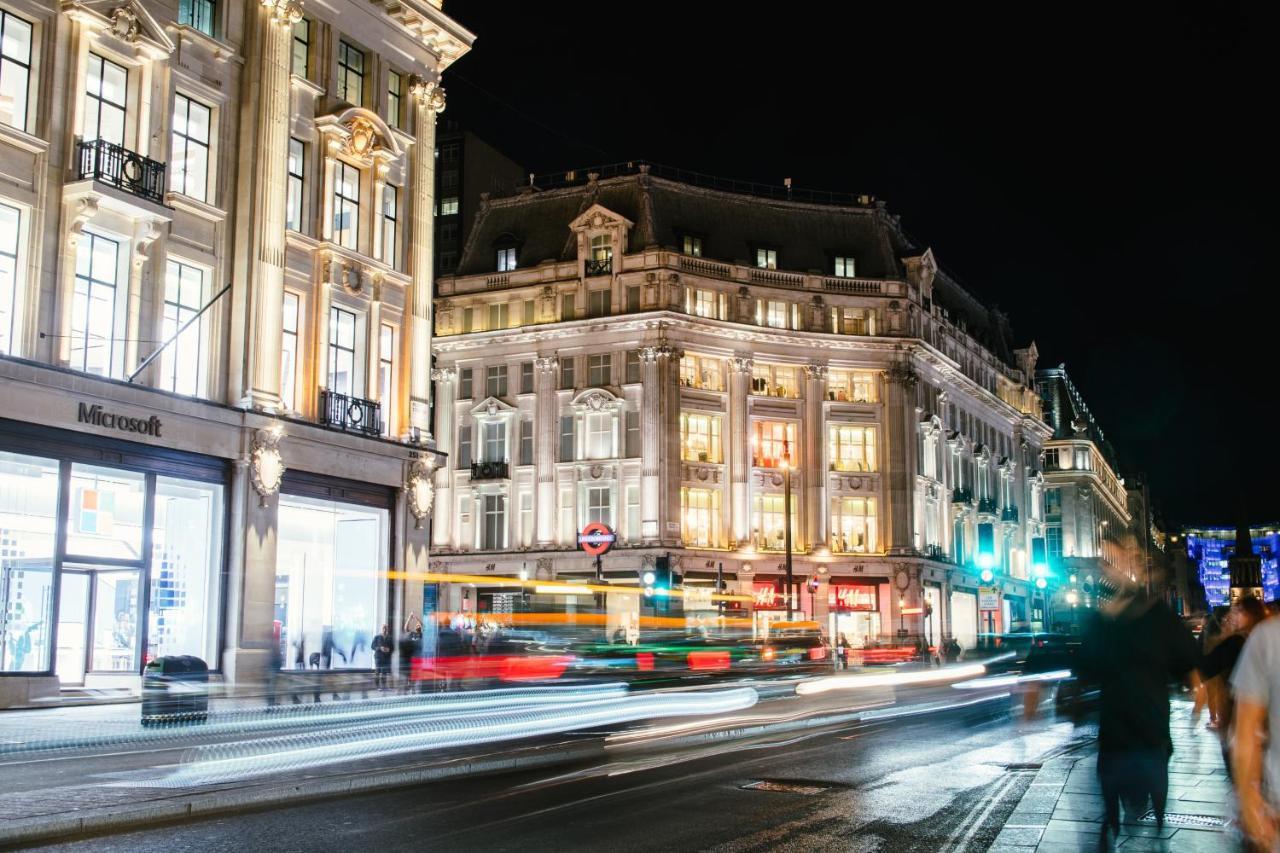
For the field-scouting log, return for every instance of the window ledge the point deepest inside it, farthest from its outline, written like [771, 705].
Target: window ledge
[178, 201]
[303, 83]
[221, 50]
[23, 140]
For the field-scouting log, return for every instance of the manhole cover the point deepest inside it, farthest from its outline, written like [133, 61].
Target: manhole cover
[1178, 819]
[782, 787]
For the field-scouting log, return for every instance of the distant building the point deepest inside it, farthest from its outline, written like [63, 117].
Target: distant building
[467, 168]
[1210, 550]
[1088, 524]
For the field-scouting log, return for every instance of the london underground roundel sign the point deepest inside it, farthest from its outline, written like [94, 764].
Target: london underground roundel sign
[596, 538]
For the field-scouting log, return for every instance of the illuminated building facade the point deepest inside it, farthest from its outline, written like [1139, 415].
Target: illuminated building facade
[641, 349]
[1089, 527]
[1210, 551]
[246, 191]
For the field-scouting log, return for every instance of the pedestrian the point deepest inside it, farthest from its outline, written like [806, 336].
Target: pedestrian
[843, 651]
[1219, 664]
[382, 648]
[1209, 693]
[1256, 684]
[1133, 647]
[410, 648]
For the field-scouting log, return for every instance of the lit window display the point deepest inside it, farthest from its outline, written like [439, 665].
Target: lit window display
[700, 438]
[700, 517]
[186, 561]
[28, 520]
[772, 443]
[851, 447]
[769, 529]
[853, 525]
[330, 559]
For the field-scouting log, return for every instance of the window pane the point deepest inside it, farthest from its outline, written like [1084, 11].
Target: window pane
[105, 518]
[10, 227]
[115, 622]
[330, 559]
[185, 570]
[28, 521]
[15, 69]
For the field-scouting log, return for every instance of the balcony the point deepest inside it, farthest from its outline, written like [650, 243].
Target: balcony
[1009, 513]
[961, 495]
[987, 506]
[490, 471]
[598, 266]
[121, 168]
[350, 414]
[935, 552]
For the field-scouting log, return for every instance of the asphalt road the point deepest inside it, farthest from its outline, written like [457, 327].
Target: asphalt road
[940, 781]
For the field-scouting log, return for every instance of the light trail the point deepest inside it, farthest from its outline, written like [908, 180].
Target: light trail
[229, 762]
[889, 679]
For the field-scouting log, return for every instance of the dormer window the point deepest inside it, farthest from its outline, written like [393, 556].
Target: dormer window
[600, 261]
[844, 266]
[767, 259]
[506, 259]
[693, 245]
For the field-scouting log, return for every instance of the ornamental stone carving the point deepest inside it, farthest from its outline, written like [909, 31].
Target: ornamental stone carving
[902, 373]
[741, 364]
[429, 92]
[444, 374]
[124, 22]
[816, 371]
[650, 355]
[284, 12]
[363, 139]
[546, 364]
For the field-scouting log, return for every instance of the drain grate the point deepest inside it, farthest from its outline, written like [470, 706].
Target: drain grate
[1026, 765]
[1178, 819]
[781, 786]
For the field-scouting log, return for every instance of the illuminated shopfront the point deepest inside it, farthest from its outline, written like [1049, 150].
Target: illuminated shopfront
[854, 613]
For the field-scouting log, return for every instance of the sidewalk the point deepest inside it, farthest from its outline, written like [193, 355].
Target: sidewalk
[1062, 811]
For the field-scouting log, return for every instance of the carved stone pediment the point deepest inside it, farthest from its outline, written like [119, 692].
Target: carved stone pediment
[360, 134]
[128, 22]
[599, 216]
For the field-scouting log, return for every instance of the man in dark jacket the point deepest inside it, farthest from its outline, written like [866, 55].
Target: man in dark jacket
[1133, 648]
[383, 645]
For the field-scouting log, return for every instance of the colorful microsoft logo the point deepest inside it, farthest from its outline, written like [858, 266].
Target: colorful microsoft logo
[96, 512]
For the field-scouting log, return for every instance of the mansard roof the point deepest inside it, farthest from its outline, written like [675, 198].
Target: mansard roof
[731, 225]
[1066, 412]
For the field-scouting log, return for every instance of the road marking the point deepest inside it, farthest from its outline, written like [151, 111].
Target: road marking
[972, 824]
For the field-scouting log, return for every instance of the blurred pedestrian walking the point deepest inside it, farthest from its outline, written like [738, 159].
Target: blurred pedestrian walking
[1217, 666]
[1255, 756]
[1134, 647]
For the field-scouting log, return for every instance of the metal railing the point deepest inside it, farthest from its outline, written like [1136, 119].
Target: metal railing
[490, 471]
[600, 266]
[118, 166]
[351, 414]
[987, 505]
[1009, 513]
[961, 495]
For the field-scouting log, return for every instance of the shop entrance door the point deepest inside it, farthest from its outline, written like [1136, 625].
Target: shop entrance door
[97, 623]
[73, 627]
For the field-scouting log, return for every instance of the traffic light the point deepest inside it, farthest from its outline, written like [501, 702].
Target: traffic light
[647, 579]
[665, 580]
[1039, 562]
[986, 545]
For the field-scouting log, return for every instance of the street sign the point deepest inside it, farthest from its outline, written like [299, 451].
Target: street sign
[988, 598]
[596, 539]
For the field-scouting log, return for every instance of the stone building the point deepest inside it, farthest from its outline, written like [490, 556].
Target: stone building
[1088, 524]
[654, 354]
[467, 168]
[243, 190]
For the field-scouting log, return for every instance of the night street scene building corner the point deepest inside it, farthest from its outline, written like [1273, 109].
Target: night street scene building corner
[215, 316]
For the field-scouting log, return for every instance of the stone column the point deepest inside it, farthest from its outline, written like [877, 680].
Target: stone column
[739, 450]
[653, 412]
[252, 569]
[444, 512]
[276, 20]
[900, 383]
[812, 441]
[428, 100]
[546, 417]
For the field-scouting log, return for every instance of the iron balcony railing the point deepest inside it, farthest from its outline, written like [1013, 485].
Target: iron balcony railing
[118, 166]
[351, 414]
[599, 266]
[987, 505]
[490, 471]
[1009, 513]
[961, 495]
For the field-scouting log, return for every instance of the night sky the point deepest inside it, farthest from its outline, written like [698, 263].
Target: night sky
[1101, 179]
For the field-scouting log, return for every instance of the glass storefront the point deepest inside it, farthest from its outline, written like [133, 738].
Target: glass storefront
[86, 569]
[331, 559]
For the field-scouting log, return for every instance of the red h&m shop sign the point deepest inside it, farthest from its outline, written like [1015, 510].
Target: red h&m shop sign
[768, 596]
[845, 597]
